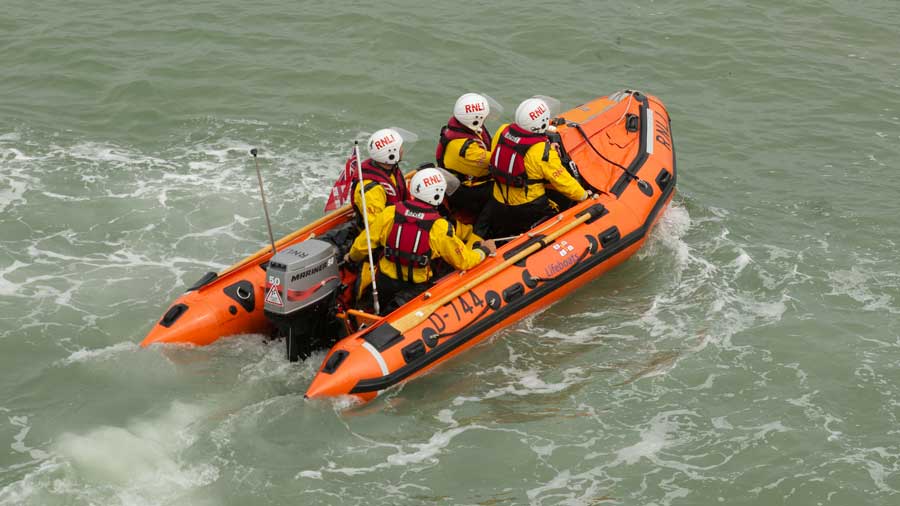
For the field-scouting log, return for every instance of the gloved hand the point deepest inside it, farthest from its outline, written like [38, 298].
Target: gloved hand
[490, 247]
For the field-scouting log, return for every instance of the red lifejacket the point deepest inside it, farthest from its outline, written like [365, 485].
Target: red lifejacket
[508, 159]
[456, 130]
[377, 175]
[408, 242]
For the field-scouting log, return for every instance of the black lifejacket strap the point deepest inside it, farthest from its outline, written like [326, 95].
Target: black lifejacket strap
[465, 147]
[467, 177]
[469, 139]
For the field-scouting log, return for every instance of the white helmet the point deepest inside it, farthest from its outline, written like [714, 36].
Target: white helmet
[385, 145]
[429, 186]
[533, 115]
[471, 110]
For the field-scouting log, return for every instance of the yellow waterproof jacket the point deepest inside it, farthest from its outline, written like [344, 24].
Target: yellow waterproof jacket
[474, 163]
[466, 233]
[443, 239]
[376, 196]
[551, 171]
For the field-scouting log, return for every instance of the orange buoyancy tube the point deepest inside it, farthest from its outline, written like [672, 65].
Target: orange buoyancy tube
[231, 302]
[462, 310]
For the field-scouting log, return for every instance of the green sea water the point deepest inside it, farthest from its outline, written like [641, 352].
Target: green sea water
[748, 355]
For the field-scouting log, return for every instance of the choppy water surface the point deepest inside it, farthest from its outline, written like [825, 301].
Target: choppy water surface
[747, 355]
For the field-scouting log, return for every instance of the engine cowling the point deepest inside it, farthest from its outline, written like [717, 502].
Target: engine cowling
[302, 283]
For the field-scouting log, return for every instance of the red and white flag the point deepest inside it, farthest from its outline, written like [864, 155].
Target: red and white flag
[340, 193]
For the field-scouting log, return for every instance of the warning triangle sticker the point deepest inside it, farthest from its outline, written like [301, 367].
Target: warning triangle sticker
[273, 297]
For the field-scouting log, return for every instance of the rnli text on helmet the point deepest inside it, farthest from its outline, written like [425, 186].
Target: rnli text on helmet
[430, 180]
[474, 107]
[384, 141]
[535, 114]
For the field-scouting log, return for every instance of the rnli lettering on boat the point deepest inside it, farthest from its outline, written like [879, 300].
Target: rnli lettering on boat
[663, 136]
[385, 141]
[309, 272]
[475, 107]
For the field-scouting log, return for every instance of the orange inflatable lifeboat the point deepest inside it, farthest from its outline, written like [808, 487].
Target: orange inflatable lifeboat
[620, 145]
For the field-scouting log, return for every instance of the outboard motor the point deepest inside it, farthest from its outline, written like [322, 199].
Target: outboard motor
[301, 290]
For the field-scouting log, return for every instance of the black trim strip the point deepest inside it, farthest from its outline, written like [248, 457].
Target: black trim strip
[639, 160]
[474, 329]
[207, 278]
[515, 251]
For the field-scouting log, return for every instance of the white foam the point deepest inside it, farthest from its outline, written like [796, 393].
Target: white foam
[65, 198]
[33, 486]
[560, 481]
[18, 444]
[272, 364]
[653, 439]
[242, 121]
[742, 261]
[721, 423]
[446, 416]
[152, 445]
[135, 465]
[428, 451]
[94, 152]
[669, 232]
[408, 455]
[7, 287]
[525, 382]
[580, 336]
[859, 283]
[15, 192]
[17, 155]
[877, 470]
[85, 355]
[534, 384]
[150, 469]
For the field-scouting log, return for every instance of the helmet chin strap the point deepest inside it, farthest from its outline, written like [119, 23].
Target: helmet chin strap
[385, 165]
